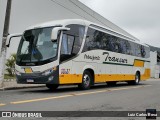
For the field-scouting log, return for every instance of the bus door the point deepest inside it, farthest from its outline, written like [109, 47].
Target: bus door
[65, 59]
[70, 47]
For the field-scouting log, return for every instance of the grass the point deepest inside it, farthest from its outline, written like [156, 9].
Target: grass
[6, 76]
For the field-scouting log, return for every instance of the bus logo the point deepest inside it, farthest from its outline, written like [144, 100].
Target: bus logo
[114, 59]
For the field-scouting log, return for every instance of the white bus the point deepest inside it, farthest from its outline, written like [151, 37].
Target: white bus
[74, 51]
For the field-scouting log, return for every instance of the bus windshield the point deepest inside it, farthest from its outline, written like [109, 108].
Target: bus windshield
[36, 47]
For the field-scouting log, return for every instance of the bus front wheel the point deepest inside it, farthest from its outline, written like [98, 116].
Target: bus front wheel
[52, 86]
[136, 81]
[86, 81]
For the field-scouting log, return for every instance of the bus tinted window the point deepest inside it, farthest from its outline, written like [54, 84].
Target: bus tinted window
[133, 52]
[137, 49]
[99, 40]
[92, 42]
[67, 43]
[117, 45]
[111, 41]
[72, 41]
[147, 50]
[123, 46]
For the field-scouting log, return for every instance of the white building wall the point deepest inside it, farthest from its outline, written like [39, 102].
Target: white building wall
[155, 69]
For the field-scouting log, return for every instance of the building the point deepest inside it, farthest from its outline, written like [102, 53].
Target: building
[155, 62]
[90, 15]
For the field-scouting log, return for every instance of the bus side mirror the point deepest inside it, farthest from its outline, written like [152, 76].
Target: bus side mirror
[54, 34]
[9, 37]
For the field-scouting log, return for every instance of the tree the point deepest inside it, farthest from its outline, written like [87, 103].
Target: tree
[10, 64]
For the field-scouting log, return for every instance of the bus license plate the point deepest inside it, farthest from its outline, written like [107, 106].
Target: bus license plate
[30, 80]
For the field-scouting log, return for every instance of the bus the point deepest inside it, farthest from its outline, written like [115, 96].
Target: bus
[79, 52]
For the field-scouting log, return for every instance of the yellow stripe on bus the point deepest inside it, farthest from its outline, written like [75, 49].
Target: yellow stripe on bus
[70, 78]
[113, 77]
[138, 63]
[77, 78]
[146, 75]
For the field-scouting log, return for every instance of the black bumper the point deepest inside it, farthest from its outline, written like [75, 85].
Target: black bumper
[38, 78]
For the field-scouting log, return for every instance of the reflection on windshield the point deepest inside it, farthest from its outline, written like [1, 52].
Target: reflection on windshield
[36, 45]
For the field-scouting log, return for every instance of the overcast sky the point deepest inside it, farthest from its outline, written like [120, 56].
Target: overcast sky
[141, 18]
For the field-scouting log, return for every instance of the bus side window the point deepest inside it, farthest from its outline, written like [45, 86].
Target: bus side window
[143, 52]
[138, 50]
[71, 41]
[118, 47]
[111, 43]
[67, 42]
[128, 48]
[147, 50]
[132, 48]
[123, 46]
[104, 43]
[98, 39]
[78, 40]
[90, 43]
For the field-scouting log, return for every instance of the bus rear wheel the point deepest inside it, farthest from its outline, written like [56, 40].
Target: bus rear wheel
[52, 86]
[136, 81]
[86, 81]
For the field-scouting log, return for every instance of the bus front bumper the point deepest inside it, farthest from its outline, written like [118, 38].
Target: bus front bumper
[38, 78]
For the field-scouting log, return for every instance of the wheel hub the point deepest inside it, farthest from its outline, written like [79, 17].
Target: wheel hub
[86, 80]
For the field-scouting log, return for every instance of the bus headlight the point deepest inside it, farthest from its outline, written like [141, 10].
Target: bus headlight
[48, 72]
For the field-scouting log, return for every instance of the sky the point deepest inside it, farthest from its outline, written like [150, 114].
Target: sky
[141, 18]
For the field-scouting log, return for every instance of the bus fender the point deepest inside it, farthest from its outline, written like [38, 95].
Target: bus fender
[88, 67]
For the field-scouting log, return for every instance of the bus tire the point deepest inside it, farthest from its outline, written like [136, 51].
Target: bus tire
[86, 81]
[52, 86]
[136, 81]
[111, 83]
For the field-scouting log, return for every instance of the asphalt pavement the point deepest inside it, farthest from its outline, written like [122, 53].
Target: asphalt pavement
[122, 97]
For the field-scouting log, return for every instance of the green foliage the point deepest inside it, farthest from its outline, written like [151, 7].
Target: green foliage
[6, 76]
[10, 64]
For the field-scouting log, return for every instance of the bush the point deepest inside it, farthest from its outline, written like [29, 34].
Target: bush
[10, 64]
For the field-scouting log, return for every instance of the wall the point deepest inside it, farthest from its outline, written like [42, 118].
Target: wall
[154, 67]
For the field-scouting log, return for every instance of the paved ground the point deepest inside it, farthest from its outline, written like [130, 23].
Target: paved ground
[122, 97]
[12, 84]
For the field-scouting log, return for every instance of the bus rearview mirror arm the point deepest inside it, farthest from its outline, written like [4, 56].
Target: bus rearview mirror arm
[9, 37]
[55, 31]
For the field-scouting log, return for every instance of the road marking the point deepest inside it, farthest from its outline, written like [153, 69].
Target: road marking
[1, 104]
[40, 99]
[109, 90]
[76, 94]
[86, 93]
[129, 88]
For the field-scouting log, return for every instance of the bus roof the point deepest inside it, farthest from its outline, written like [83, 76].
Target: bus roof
[63, 22]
